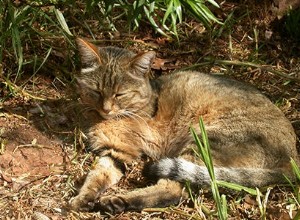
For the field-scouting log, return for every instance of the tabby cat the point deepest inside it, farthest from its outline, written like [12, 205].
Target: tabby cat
[251, 140]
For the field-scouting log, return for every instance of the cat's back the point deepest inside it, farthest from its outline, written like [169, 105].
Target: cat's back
[197, 84]
[233, 112]
[193, 91]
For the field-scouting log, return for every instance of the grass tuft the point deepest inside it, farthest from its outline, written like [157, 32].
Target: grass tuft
[262, 205]
[164, 16]
[295, 186]
[203, 151]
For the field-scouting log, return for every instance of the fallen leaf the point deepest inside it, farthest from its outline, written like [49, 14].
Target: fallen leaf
[161, 64]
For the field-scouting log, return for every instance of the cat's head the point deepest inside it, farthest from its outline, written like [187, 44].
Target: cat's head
[114, 81]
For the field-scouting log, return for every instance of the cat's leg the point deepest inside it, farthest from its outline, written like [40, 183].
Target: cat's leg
[164, 193]
[103, 175]
[117, 144]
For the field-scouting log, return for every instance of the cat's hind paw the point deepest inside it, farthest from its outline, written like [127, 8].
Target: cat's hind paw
[111, 204]
[80, 203]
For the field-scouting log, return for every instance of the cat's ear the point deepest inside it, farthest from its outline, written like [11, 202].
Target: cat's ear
[142, 62]
[89, 53]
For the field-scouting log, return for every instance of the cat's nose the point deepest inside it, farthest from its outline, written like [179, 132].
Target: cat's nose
[107, 107]
[106, 110]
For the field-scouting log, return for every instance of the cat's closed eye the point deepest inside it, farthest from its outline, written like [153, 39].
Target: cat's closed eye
[119, 95]
[95, 94]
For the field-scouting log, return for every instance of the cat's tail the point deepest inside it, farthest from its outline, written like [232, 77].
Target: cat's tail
[182, 170]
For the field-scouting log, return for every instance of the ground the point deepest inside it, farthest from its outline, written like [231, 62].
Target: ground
[43, 152]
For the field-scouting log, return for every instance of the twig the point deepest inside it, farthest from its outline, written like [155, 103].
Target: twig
[262, 67]
[17, 89]
[170, 210]
[242, 63]
[10, 114]
[39, 146]
[126, 40]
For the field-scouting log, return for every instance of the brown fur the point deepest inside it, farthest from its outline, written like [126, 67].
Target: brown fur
[251, 140]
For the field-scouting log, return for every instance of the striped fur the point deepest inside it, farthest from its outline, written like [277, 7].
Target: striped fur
[251, 140]
[181, 170]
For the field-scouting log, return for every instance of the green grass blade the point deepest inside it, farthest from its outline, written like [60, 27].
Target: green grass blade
[295, 168]
[200, 11]
[16, 16]
[204, 150]
[290, 182]
[224, 207]
[17, 46]
[168, 12]
[266, 198]
[198, 144]
[218, 201]
[207, 148]
[192, 8]
[40, 66]
[178, 9]
[153, 23]
[262, 205]
[295, 186]
[208, 14]
[21, 14]
[62, 21]
[237, 187]
[258, 200]
[213, 3]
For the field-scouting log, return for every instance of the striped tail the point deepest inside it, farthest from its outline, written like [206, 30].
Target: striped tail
[182, 170]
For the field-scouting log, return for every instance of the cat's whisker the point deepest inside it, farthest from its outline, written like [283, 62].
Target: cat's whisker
[119, 116]
[137, 118]
[86, 109]
[141, 112]
[144, 113]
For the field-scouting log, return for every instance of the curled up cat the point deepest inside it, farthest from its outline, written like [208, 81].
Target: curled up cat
[251, 140]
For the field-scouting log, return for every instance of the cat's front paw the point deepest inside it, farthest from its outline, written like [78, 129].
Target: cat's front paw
[81, 203]
[111, 204]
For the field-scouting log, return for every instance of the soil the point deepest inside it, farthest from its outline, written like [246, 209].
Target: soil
[43, 155]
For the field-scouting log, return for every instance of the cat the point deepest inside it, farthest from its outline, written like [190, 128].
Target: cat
[250, 138]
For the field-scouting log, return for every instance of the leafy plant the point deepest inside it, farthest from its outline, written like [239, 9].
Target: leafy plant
[27, 36]
[163, 15]
[262, 205]
[10, 34]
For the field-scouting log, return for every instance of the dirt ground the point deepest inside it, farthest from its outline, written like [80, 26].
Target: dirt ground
[43, 152]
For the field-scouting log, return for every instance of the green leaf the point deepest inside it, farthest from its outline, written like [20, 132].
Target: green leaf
[168, 12]
[295, 168]
[204, 150]
[201, 12]
[236, 187]
[16, 42]
[178, 9]
[61, 19]
[213, 3]
[153, 23]
[224, 207]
